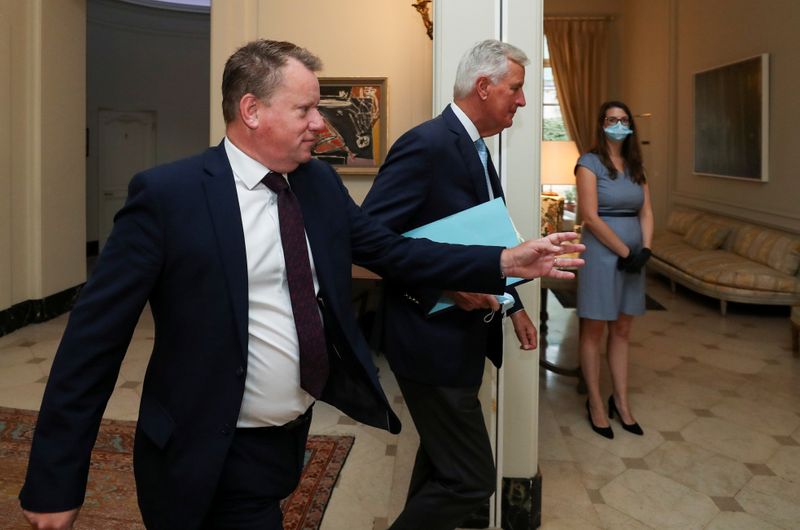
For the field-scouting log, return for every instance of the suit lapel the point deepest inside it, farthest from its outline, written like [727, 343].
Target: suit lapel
[223, 205]
[468, 154]
[315, 224]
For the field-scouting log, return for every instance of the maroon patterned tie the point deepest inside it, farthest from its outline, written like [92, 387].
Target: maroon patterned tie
[310, 334]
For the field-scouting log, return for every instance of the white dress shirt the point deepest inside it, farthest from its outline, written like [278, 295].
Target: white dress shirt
[272, 393]
[474, 135]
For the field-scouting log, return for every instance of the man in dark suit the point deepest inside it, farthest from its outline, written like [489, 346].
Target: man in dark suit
[239, 358]
[434, 170]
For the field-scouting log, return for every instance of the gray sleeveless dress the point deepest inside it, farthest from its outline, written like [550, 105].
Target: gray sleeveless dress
[603, 291]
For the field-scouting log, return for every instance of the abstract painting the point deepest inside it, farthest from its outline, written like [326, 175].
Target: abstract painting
[354, 111]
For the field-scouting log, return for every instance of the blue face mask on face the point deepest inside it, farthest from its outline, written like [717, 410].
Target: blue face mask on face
[617, 132]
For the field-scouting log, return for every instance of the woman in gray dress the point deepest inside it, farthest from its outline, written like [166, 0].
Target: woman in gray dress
[617, 230]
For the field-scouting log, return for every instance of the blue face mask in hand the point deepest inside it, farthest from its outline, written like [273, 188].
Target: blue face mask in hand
[618, 131]
[506, 302]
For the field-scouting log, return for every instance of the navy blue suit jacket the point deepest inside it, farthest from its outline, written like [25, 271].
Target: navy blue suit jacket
[433, 171]
[178, 243]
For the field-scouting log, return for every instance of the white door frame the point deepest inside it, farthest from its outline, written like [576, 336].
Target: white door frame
[458, 24]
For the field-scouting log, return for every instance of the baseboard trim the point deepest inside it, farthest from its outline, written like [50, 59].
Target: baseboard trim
[34, 311]
[522, 502]
[92, 248]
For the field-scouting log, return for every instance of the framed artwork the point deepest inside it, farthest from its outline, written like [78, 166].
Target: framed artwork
[354, 110]
[731, 120]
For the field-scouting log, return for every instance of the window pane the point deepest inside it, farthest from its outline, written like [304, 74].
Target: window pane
[549, 96]
[552, 122]
[551, 112]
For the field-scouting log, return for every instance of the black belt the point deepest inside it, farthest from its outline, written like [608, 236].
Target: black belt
[288, 426]
[618, 214]
[300, 420]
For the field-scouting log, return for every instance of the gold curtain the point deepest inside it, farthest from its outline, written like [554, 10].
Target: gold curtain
[579, 58]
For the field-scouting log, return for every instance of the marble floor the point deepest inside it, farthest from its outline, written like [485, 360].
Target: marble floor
[718, 398]
[719, 401]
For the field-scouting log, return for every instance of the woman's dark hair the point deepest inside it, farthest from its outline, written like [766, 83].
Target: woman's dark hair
[630, 146]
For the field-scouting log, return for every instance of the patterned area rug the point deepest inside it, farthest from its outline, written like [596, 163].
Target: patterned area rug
[111, 493]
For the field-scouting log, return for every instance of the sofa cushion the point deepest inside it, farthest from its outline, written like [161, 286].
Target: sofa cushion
[747, 275]
[706, 235]
[778, 251]
[679, 221]
[666, 239]
[723, 268]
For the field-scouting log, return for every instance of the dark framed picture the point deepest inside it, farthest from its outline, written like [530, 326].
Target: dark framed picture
[354, 110]
[731, 120]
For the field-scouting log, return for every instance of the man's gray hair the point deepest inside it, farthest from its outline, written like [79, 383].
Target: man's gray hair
[487, 58]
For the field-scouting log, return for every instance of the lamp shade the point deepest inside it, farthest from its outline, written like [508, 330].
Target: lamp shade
[558, 162]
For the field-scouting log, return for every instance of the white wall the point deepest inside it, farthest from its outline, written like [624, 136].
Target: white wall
[142, 58]
[42, 244]
[715, 32]
[63, 165]
[6, 17]
[647, 88]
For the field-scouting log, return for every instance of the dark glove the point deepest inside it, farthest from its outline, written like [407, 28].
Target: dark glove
[624, 262]
[634, 262]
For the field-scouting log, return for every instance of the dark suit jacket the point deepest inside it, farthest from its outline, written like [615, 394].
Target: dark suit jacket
[179, 244]
[433, 171]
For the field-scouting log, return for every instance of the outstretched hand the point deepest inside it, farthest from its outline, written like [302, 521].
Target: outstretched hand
[540, 257]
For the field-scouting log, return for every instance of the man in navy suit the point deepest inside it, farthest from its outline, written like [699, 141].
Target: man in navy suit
[434, 170]
[225, 413]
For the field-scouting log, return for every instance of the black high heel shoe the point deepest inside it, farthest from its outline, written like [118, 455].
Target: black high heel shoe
[606, 432]
[612, 409]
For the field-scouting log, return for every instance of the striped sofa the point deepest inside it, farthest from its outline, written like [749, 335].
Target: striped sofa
[729, 259]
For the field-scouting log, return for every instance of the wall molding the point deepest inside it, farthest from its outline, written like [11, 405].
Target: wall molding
[145, 19]
[35, 311]
[788, 221]
[172, 6]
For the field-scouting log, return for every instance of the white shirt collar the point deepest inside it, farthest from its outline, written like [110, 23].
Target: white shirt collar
[472, 131]
[248, 170]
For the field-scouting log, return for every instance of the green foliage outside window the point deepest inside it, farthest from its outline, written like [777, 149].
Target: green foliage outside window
[553, 129]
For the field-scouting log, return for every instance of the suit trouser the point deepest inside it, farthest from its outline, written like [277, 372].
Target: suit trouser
[263, 466]
[454, 470]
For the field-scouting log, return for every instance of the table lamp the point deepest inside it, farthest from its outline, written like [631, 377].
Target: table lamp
[558, 163]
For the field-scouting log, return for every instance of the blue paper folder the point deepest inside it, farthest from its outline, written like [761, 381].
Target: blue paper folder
[485, 224]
